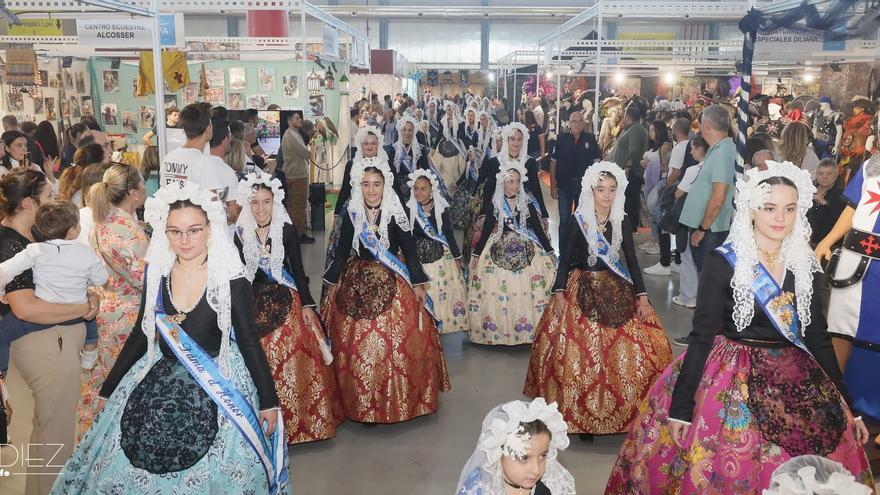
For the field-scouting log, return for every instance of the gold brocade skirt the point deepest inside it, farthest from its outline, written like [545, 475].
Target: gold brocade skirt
[597, 361]
[386, 350]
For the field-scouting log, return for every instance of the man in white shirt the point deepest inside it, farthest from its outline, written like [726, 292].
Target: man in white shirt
[183, 163]
[216, 174]
[681, 128]
[538, 110]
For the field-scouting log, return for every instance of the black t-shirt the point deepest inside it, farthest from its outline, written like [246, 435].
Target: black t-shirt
[534, 146]
[573, 159]
[12, 243]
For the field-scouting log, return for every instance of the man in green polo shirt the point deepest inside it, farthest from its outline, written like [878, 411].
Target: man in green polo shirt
[708, 209]
[628, 152]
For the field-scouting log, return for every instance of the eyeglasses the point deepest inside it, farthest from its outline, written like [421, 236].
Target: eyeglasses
[192, 234]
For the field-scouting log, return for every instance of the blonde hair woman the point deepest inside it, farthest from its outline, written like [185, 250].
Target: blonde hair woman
[795, 148]
[121, 243]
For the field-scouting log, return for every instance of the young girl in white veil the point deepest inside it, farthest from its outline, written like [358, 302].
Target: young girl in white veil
[448, 156]
[517, 450]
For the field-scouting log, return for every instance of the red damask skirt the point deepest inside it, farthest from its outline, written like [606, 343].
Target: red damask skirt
[389, 366]
[305, 385]
[597, 361]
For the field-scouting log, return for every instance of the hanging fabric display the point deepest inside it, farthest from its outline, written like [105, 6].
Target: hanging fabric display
[174, 72]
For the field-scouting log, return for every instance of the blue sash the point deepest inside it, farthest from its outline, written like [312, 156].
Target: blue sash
[603, 251]
[286, 277]
[515, 219]
[428, 227]
[272, 455]
[472, 170]
[779, 309]
[392, 262]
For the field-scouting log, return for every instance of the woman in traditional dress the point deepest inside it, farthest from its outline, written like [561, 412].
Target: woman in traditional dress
[386, 349]
[448, 156]
[517, 453]
[462, 214]
[438, 252]
[599, 346]
[513, 265]
[184, 419]
[468, 130]
[759, 383]
[435, 127]
[474, 206]
[287, 323]
[369, 142]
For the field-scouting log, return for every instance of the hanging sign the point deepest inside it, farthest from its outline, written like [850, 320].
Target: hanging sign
[171, 30]
[785, 44]
[330, 41]
[37, 27]
[120, 34]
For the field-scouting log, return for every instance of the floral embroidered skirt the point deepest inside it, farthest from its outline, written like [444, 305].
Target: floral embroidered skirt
[597, 361]
[386, 351]
[306, 387]
[447, 289]
[755, 409]
[509, 290]
[449, 167]
[165, 435]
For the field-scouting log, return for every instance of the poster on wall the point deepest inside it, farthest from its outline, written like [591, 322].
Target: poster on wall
[111, 81]
[191, 94]
[65, 107]
[236, 101]
[330, 41]
[148, 116]
[216, 78]
[215, 96]
[49, 104]
[110, 114]
[237, 78]
[55, 80]
[291, 86]
[38, 105]
[81, 82]
[258, 102]
[87, 108]
[15, 100]
[170, 102]
[316, 105]
[74, 107]
[68, 79]
[267, 78]
[129, 122]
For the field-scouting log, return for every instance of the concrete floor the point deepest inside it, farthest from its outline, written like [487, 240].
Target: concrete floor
[423, 456]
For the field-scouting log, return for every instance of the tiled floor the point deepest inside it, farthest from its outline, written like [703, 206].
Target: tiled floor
[423, 456]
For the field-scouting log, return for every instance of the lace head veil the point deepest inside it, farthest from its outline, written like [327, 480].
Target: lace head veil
[247, 225]
[414, 144]
[586, 207]
[508, 131]
[390, 208]
[440, 203]
[359, 139]
[483, 475]
[796, 254]
[224, 263]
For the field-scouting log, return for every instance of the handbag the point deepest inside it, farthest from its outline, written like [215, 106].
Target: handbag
[669, 221]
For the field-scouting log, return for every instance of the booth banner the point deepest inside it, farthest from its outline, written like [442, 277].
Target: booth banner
[171, 30]
[36, 27]
[120, 34]
[786, 41]
[330, 41]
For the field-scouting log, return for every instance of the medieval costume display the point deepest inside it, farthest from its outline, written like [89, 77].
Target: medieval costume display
[386, 349]
[856, 130]
[598, 359]
[759, 383]
[183, 419]
[295, 346]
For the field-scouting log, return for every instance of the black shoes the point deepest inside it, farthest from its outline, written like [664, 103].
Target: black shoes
[306, 239]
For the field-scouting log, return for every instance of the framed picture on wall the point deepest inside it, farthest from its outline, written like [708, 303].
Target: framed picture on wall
[191, 94]
[65, 107]
[215, 96]
[216, 78]
[86, 106]
[258, 102]
[81, 82]
[267, 78]
[68, 79]
[111, 81]
[74, 107]
[129, 122]
[15, 100]
[316, 105]
[237, 78]
[235, 101]
[148, 116]
[38, 105]
[170, 102]
[290, 85]
[110, 114]
[49, 104]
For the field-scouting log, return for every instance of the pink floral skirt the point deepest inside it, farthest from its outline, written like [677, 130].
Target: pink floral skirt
[755, 409]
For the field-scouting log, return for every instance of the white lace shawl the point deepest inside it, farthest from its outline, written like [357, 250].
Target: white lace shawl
[390, 208]
[796, 254]
[586, 208]
[485, 133]
[247, 225]
[498, 426]
[224, 264]
[440, 203]
[450, 133]
[399, 147]
[467, 124]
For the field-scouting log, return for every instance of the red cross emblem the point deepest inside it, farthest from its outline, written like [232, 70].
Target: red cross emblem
[870, 245]
[874, 198]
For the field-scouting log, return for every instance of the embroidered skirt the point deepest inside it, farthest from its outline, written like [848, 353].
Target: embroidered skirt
[461, 211]
[165, 435]
[597, 361]
[449, 167]
[447, 289]
[755, 409]
[509, 290]
[386, 351]
[306, 387]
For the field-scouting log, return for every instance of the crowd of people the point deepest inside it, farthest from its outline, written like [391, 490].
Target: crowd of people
[441, 225]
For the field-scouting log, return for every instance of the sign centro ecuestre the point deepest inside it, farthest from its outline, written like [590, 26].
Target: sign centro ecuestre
[124, 34]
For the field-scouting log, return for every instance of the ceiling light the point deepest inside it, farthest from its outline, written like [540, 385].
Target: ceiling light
[670, 77]
[619, 77]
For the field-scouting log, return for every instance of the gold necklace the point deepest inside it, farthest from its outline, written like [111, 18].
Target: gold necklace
[771, 257]
[372, 216]
[187, 274]
[603, 225]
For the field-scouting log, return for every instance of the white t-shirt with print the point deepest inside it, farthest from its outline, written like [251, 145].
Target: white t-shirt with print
[181, 165]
